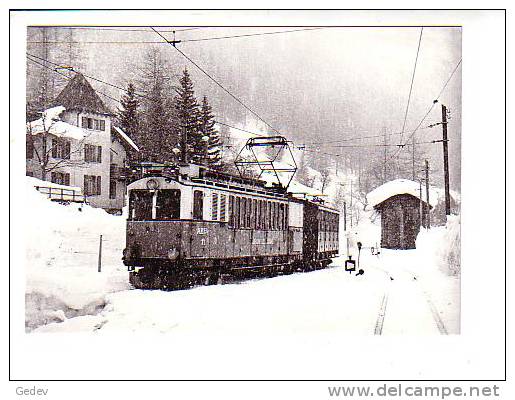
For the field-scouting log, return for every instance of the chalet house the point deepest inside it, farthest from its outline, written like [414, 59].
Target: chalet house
[76, 144]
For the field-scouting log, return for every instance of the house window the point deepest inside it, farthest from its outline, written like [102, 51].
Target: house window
[100, 125]
[92, 185]
[61, 148]
[92, 123]
[30, 147]
[87, 123]
[60, 178]
[92, 153]
[198, 205]
[112, 189]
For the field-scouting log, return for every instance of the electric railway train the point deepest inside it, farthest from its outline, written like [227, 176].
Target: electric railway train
[191, 226]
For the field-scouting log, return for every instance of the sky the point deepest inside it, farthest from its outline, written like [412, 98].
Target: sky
[313, 86]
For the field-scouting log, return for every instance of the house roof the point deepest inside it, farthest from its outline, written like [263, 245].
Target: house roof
[125, 137]
[78, 94]
[400, 186]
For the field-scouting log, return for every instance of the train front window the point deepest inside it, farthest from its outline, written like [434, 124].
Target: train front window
[168, 204]
[140, 205]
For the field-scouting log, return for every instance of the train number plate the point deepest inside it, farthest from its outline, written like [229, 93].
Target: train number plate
[201, 231]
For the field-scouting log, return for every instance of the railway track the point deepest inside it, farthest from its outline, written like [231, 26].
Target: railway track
[380, 318]
[415, 279]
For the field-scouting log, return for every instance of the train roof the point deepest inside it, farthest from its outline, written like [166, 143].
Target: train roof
[196, 174]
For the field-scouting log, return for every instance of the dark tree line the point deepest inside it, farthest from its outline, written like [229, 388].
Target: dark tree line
[167, 123]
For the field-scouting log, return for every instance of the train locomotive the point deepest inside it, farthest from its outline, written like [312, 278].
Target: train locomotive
[190, 226]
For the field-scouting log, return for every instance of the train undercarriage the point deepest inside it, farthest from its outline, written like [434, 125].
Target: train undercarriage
[158, 275]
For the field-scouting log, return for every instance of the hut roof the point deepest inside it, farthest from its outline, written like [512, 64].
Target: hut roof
[78, 94]
[400, 186]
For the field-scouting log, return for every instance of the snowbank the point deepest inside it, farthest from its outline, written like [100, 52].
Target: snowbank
[442, 244]
[62, 258]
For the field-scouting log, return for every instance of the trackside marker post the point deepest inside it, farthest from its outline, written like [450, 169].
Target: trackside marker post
[100, 255]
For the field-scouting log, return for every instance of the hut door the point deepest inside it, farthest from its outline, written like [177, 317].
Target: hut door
[402, 220]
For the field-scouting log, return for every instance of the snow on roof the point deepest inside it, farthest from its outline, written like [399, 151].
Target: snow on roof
[400, 186]
[51, 123]
[126, 138]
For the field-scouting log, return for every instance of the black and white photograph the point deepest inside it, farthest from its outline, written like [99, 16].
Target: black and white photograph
[294, 177]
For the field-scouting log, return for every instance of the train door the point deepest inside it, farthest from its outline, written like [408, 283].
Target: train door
[199, 233]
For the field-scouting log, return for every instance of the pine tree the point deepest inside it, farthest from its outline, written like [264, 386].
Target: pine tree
[187, 112]
[210, 136]
[156, 135]
[128, 116]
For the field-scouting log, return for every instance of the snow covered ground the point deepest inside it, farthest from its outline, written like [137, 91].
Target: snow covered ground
[62, 278]
[400, 292]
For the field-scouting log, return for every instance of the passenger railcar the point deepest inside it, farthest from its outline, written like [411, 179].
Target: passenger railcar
[196, 226]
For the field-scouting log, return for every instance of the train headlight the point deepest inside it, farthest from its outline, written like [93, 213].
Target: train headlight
[152, 184]
[173, 254]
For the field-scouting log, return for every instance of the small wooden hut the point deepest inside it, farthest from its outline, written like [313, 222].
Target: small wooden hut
[402, 212]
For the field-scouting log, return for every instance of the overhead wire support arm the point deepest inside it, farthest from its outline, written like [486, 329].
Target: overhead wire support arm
[174, 42]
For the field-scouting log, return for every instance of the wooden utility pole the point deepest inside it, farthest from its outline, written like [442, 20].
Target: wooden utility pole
[413, 155]
[428, 222]
[421, 209]
[385, 154]
[446, 161]
[345, 226]
[351, 195]
[345, 216]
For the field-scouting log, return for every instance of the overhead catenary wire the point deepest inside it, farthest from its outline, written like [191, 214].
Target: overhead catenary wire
[67, 77]
[119, 29]
[399, 149]
[361, 137]
[302, 148]
[253, 34]
[431, 107]
[411, 84]
[120, 88]
[217, 83]
[179, 30]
